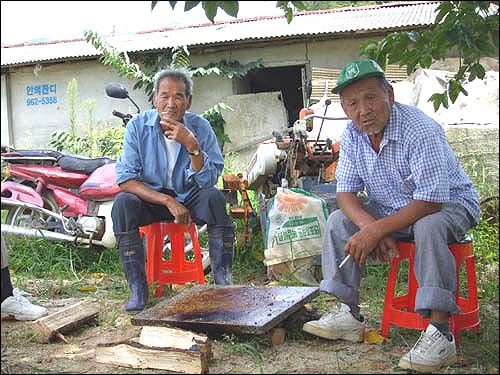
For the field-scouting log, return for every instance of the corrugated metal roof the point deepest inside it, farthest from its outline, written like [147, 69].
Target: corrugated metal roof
[312, 23]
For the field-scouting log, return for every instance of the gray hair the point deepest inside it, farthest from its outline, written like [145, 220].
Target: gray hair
[177, 75]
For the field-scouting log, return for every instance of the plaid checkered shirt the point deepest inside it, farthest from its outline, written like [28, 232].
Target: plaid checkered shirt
[415, 162]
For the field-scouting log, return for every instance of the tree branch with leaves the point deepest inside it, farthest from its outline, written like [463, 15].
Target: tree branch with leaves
[232, 7]
[468, 27]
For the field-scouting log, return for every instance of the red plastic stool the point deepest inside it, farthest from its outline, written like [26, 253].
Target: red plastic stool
[400, 310]
[177, 270]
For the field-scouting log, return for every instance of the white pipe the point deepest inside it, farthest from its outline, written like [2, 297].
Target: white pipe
[40, 233]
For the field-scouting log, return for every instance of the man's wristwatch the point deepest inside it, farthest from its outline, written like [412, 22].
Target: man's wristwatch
[195, 152]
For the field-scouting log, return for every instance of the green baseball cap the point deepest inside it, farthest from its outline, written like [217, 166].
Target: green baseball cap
[356, 70]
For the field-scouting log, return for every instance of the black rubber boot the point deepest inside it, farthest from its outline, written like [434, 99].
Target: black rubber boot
[221, 251]
[132, 257]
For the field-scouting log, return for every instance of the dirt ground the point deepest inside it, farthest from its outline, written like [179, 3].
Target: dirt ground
[299, 354]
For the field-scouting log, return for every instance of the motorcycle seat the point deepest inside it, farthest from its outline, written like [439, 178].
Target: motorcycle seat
[82, 164]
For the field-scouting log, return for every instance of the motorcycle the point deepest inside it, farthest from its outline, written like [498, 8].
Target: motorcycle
[64, 197]
[60, 196]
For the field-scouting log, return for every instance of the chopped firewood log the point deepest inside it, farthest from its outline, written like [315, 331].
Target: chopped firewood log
[171, 337]
[163, 348]
[65, 320]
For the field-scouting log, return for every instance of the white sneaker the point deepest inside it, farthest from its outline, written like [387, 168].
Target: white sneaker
[337, 324]
[21, 308]
[431, 351]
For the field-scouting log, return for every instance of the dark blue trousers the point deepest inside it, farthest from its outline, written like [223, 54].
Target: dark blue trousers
[207, 206]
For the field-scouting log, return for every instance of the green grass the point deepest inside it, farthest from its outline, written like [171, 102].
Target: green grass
[64, 270]
[41, 258]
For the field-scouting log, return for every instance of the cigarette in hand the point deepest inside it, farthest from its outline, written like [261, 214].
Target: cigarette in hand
[345, 260]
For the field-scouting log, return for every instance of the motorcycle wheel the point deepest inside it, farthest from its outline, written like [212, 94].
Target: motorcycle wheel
[28, 218]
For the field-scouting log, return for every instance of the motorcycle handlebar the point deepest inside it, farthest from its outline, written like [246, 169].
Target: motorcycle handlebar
[324, 117]
[125, 117]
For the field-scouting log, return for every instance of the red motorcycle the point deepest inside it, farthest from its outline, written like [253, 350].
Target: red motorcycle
[59, 196]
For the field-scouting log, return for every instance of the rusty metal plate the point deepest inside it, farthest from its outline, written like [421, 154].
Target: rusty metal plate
[216, 309]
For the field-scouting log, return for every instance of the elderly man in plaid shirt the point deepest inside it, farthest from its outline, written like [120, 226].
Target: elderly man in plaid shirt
[416, 187]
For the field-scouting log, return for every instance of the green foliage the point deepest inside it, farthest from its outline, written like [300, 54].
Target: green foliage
[210, 7]
[232, 166]
[486, 245]
[109, 141]
[72, 92]
[100, 141]
[468, 27]
[316, 5]
[250, 347]
[119, 59]
[43, 259]
[95, 139]
[64, 141]
[214, 117]
[229, 69]
[288, 8]
[176, 58]
[180, 58]
[232, 7]
[248, 266]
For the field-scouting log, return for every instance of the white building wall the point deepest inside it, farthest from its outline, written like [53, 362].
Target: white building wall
[40, 102]
[208, 91]
[4, 112]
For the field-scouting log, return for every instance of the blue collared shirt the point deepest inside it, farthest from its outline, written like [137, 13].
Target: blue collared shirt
[415, 162]
[144, 156]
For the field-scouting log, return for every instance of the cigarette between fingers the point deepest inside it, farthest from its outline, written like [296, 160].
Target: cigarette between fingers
[344, 261]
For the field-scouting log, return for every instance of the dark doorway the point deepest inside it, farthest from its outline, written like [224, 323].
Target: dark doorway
[286, 79]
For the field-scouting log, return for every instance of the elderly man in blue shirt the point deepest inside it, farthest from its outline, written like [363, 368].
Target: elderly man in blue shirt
[415, 185]
[167, 172]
